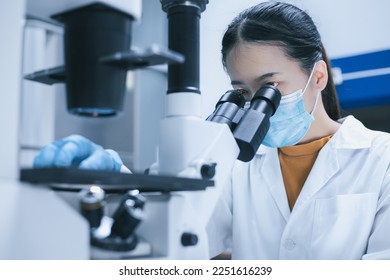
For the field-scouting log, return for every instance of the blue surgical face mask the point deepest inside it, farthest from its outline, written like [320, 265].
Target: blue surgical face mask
[291, 121]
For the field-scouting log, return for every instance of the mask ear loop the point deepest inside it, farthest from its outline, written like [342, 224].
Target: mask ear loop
[315, 104]
[307, 84]
[308, 81]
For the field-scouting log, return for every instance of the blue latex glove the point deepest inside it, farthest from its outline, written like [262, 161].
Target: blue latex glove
[76, 150]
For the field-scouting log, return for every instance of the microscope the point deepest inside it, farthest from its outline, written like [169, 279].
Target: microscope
[162, 214]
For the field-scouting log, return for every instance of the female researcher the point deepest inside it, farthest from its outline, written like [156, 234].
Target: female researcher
[319, 187]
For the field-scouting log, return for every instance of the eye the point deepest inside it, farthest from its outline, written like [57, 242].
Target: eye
[242, 91]
[272, 83]
[245, 93]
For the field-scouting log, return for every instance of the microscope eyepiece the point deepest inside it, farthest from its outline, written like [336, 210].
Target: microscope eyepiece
[228, 109]
[266, 98]
[232, 96]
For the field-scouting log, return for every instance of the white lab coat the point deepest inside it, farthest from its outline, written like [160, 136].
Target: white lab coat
[342, 212]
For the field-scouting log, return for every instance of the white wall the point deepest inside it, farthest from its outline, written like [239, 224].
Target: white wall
[11, 28]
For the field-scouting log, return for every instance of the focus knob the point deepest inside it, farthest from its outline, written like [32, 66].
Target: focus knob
[189, 239]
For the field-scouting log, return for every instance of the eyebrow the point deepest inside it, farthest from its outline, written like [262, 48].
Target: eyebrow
[258, 79]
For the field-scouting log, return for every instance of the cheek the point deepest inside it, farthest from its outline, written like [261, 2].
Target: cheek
[284, 88]
[291, 85]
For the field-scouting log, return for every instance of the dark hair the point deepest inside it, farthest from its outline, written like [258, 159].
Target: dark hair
[290, 28]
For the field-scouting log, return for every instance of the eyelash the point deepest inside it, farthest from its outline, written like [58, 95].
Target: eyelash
[247, 92]
[243, 91]
[270, 83]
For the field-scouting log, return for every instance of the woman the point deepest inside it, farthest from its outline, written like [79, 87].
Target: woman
[319, 188]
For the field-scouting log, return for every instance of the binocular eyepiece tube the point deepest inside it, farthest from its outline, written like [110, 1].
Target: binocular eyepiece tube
[249, 126]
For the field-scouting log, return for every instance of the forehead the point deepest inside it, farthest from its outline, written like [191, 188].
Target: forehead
[249, 60]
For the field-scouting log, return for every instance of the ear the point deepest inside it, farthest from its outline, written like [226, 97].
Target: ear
[320, 75]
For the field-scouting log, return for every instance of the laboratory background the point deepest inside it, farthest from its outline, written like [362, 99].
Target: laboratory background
[355, 35]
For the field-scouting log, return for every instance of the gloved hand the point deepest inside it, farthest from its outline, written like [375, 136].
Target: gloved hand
[76, 150]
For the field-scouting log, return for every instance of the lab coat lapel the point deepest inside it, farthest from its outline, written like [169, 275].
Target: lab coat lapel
[272, 178]
[324, 168]
[350, 136]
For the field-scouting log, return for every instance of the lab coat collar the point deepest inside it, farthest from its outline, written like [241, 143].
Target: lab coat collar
[351, 135]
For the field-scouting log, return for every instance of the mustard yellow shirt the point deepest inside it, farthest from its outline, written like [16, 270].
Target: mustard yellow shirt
[296, 163]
